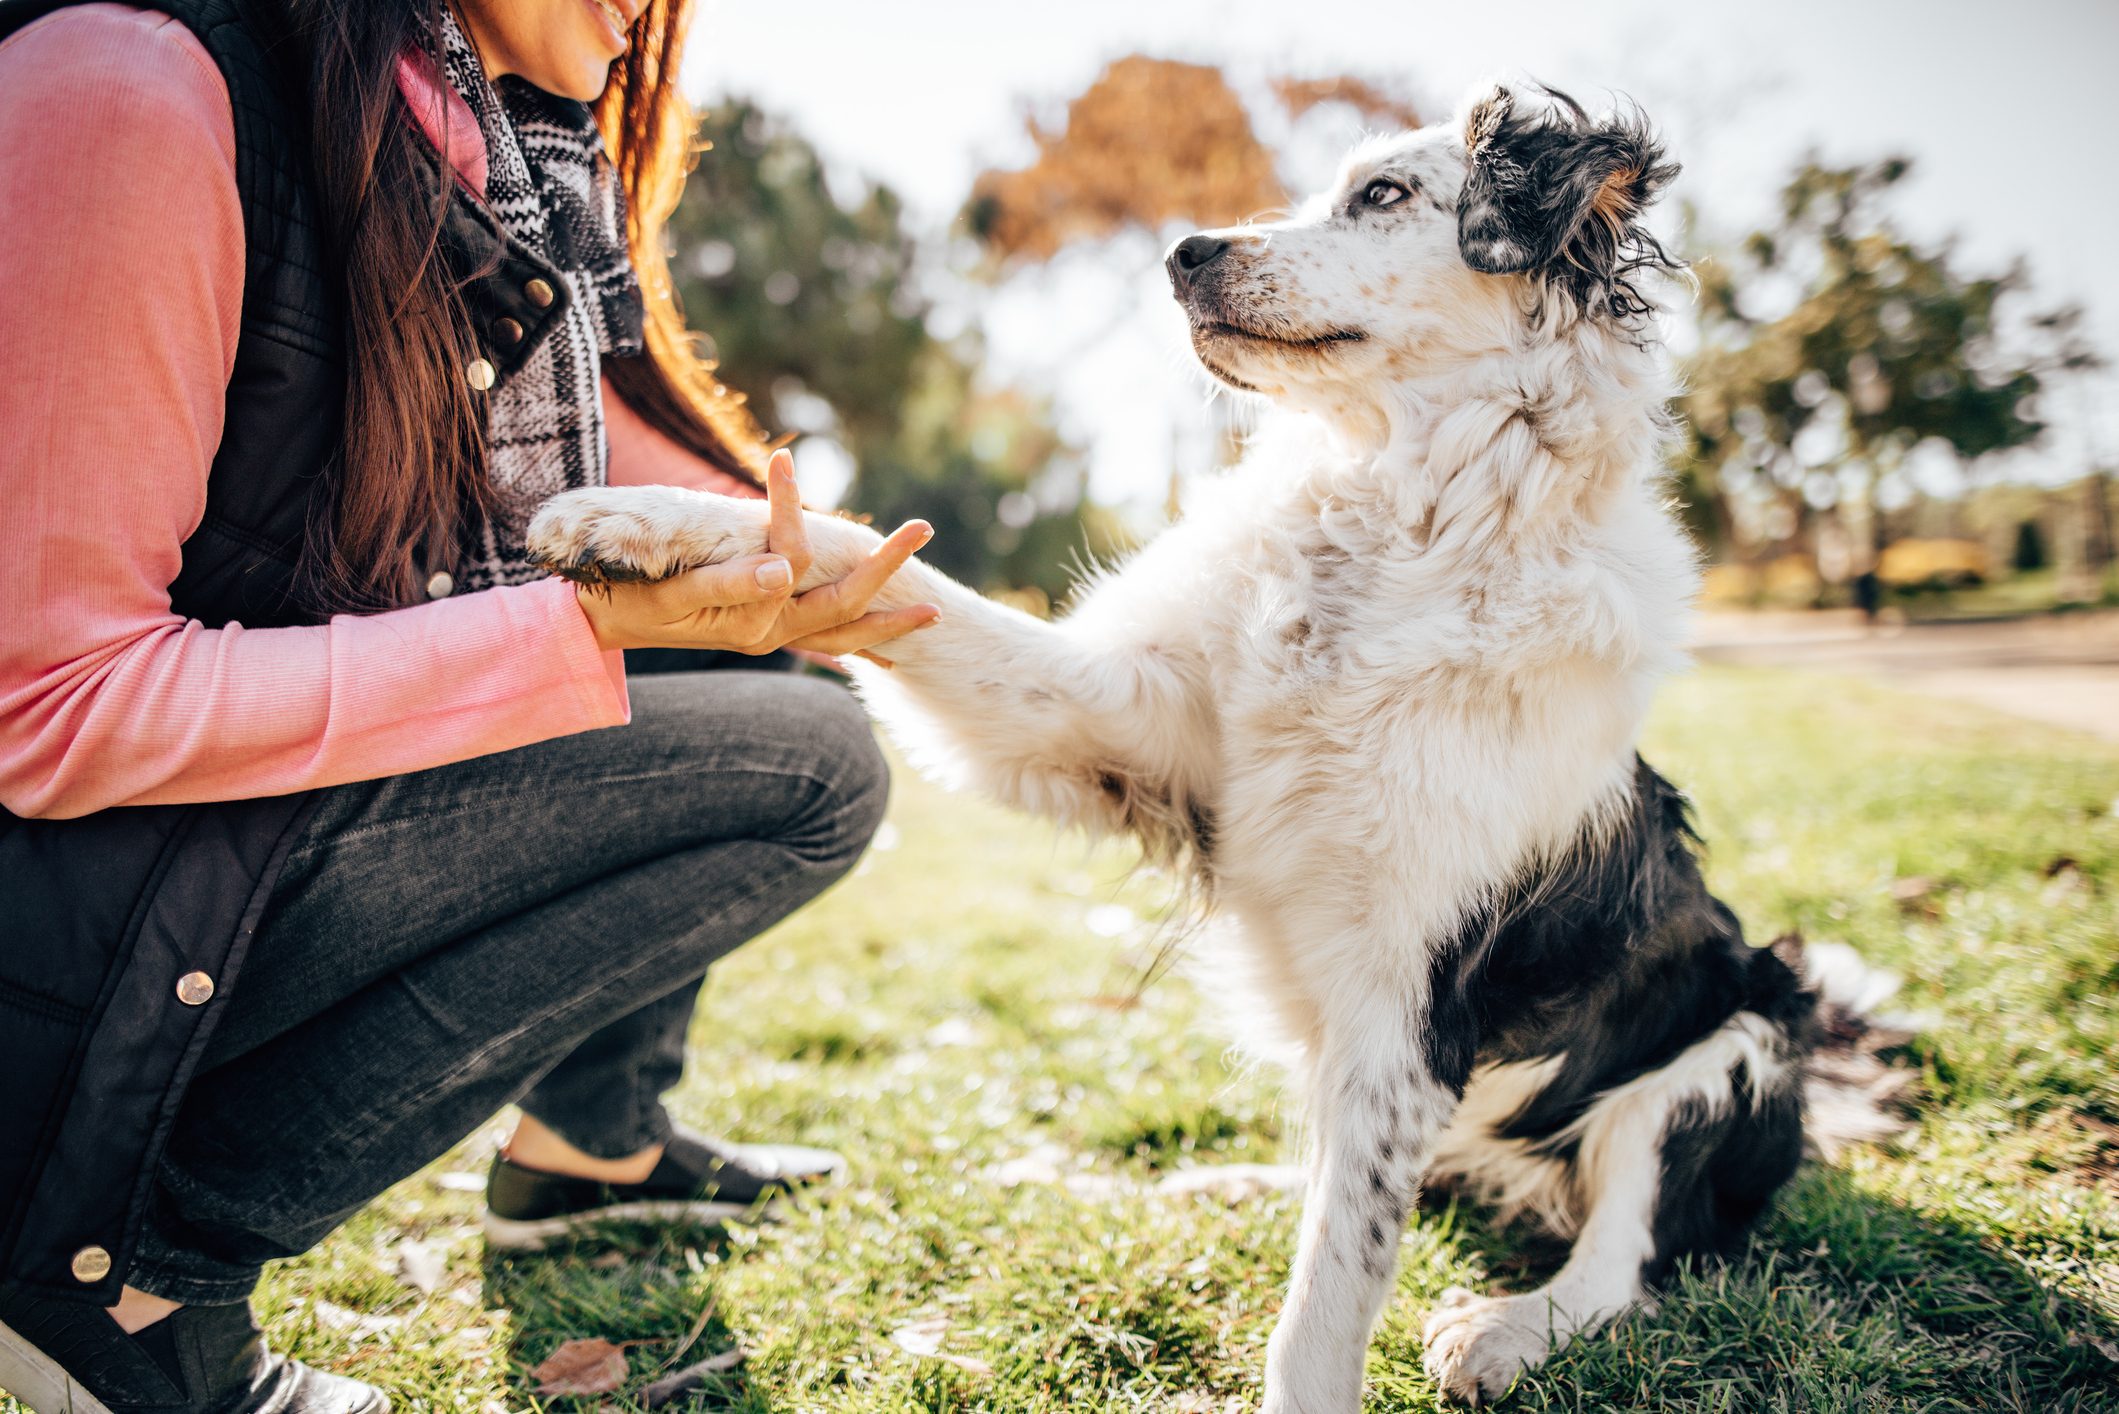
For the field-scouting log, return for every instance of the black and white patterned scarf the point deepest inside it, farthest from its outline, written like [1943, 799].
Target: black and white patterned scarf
[552, 186]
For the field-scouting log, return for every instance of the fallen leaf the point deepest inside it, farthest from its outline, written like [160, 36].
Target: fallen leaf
[690, 1377]
[1042, 1165]
[1232, 1183]
[593, 1366]
[356, 1323]
[924, 1339]
[420, 1265]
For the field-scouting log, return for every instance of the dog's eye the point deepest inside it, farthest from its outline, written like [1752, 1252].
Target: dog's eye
[1382, 193]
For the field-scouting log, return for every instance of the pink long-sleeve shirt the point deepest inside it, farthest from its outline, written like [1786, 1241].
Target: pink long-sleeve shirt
[121, 240]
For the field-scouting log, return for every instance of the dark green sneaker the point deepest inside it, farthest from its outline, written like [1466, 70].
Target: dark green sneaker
[61, 1357]
[699, 1180]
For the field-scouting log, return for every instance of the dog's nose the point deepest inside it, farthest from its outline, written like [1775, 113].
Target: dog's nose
[1192, 255]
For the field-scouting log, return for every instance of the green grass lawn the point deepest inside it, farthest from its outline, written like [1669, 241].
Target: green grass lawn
[965, 1001]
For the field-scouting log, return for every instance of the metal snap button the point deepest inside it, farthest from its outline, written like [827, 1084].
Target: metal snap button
[480, 374]
[507, 331]
[91, 1264]
[539, 293]
[441, 585]
[194, 989]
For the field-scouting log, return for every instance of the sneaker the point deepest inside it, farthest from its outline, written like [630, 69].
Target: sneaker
[63, 1357]
[698, 1180]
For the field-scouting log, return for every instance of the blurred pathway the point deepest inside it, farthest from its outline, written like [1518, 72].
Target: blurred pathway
[2062, 669]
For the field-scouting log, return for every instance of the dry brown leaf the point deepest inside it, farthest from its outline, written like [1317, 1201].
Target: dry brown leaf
[593, 1366]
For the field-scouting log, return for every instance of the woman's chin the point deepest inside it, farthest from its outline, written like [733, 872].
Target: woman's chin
[583, 79]
[588, 83]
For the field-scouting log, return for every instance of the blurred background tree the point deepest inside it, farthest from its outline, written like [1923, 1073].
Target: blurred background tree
[1155, 142]
[1835, 352]
[805, 282]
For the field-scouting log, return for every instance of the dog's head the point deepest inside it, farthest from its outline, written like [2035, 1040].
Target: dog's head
[1432, 246]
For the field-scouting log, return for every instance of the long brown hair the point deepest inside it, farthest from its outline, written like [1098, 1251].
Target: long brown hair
[410, 477]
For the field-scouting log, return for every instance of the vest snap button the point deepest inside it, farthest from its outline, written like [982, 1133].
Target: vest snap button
[194, 989]
[507, 331]
[91, 1264]
[442, 585]
[540, 293]
[481, 374]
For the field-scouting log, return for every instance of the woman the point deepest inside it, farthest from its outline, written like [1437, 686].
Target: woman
[312, 857]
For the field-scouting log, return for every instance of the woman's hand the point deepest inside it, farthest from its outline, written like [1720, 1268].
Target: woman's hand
[748, 605]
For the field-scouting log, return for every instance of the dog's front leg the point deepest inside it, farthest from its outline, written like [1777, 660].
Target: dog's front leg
[1112, 735]
[1377, 1109]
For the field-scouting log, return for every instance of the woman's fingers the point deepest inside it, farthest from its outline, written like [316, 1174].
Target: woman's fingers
[750, 580]
[847, 599]
[787, 535]
[870, 629]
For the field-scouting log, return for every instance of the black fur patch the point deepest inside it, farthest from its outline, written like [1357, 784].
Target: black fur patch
[1560, 194]
[1616, 957]
[1720, 1171]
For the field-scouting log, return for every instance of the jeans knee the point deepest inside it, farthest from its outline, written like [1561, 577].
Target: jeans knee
[856, 779]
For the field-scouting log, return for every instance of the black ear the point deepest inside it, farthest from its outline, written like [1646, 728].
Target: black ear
[1557, 192]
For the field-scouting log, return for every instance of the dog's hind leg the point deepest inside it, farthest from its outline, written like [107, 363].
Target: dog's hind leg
[1662, 1166]
[1377, 1108]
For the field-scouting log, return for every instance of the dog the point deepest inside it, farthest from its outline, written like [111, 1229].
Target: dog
[1377, 694]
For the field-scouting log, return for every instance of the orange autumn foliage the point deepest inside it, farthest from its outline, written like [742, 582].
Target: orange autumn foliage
[1150, 141]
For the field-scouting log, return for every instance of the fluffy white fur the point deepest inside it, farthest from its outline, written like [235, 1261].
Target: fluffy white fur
[1399, 652]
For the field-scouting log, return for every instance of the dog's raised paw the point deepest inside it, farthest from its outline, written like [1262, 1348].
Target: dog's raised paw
[602, 535]
[1476, 1346]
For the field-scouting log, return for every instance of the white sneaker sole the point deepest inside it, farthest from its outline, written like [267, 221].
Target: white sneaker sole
[534, 1234]
[37, 1380]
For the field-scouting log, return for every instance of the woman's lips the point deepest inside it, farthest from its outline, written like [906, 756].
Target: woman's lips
[614, 20]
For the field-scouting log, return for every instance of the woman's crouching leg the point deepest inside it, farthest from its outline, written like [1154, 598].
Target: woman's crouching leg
[442, 942]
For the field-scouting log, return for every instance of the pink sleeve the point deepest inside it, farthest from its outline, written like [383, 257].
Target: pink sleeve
[642, 456]
[118, 320]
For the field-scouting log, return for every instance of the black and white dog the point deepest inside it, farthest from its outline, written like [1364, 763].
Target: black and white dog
[1379, 691]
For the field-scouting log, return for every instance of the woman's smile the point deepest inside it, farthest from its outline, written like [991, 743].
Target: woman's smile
[613, 19]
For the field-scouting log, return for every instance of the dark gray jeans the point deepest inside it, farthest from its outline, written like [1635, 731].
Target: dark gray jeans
[531, 926]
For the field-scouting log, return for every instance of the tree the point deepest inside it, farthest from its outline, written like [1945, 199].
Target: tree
[805, 281]
[1832, 347]
[1152, 141]
[806, 294]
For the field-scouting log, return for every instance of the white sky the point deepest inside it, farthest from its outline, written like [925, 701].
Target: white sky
[2010, 113]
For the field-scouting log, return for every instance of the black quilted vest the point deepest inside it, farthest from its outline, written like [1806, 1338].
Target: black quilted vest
[123, 929]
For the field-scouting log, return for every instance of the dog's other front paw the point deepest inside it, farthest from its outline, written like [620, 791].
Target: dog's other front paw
[628, 534]
[1477, 1345]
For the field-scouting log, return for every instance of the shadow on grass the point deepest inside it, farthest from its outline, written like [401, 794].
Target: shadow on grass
[1843, 1300]
[650, 1290]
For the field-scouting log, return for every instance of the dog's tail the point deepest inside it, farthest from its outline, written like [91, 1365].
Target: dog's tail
[1851, 1093]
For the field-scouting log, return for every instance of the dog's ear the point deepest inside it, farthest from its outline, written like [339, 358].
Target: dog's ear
[1555, 191]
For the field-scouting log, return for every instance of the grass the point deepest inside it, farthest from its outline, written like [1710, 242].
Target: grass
[963, 1002]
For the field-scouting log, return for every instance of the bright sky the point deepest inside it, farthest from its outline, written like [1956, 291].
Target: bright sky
[2010, 113]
